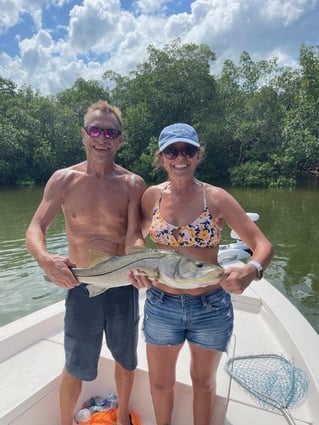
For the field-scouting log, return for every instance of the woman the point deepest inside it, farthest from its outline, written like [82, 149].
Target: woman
[187, 215]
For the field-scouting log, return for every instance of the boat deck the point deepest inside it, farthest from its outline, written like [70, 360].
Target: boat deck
[32, 357]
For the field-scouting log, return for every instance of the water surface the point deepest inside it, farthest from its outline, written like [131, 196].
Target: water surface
[289, 218]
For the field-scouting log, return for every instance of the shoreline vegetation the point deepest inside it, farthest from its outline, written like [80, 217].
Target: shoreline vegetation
[259, 121]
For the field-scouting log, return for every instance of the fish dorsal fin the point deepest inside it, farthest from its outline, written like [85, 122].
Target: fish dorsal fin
[97, 257]
[136, 250]
[142, 249]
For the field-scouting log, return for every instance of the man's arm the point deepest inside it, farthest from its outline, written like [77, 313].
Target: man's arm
[56, 267]
[134, 235]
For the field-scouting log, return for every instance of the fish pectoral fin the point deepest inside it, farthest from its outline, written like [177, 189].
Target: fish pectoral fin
[151, 274]
[139, 273]
[94, 291]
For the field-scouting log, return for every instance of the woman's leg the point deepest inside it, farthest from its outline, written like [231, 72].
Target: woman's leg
[203, 369]
[162, 364]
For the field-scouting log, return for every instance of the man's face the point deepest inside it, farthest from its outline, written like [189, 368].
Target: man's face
[102, 135]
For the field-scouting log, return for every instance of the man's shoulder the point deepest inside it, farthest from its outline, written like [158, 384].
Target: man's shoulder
[63, 176]
[81, 166]
[128, 175]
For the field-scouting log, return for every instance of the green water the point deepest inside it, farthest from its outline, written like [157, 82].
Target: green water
[289, 218]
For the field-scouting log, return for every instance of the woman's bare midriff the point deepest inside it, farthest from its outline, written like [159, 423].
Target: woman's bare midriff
[206, 254]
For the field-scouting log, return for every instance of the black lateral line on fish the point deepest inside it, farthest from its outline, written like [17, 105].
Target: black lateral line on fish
[119, 268]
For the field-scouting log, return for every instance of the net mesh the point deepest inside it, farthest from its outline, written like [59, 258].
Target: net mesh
[271, 379]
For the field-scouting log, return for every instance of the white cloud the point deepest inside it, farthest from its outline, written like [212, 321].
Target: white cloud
[150, 6]
[100, 35]
[12, 10]
[94, 25]
[286, 11]
[9, 13]
[36, 53]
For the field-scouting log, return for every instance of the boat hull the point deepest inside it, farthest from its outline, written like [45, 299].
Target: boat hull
[32, 357]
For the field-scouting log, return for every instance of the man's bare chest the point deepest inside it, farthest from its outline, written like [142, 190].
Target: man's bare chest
[94, 202]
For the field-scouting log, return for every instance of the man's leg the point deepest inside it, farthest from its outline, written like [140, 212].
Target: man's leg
[70, 389]
[124, 382]
[121, 338]
[83, 333]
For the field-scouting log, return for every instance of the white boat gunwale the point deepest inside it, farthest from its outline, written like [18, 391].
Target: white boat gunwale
[44, 328]
[32, 358]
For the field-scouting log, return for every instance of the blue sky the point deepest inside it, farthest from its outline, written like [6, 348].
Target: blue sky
[48, 44]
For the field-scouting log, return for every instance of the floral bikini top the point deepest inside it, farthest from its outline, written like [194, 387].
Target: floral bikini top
[203, 232]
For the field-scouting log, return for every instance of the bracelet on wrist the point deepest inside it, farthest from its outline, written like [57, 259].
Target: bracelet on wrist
[258, 267]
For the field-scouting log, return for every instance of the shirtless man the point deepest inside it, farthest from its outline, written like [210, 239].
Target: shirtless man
[100, 202]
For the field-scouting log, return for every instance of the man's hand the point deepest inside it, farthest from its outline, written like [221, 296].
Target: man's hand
[58, 270]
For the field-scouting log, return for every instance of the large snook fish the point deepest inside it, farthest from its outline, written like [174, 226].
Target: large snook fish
[170, 267]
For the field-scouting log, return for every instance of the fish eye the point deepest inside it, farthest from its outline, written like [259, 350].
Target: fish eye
[199, 264]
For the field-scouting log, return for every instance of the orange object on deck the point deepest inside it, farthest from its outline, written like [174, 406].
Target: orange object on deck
[108, 417]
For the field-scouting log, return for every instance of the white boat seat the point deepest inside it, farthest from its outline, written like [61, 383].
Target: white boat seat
[27, 377]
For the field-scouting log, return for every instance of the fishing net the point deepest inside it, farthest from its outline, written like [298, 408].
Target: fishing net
[273, 381]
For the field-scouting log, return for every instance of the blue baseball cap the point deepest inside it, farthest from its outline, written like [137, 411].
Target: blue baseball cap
[177, 133]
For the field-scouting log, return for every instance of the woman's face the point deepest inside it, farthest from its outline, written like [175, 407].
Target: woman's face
[180, 158]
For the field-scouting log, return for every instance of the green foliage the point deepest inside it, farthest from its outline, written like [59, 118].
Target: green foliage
[259, 122]
[253, 174]
[173, 85]
[259, 174]
[253, 113]
[301, 123]
[81, 95]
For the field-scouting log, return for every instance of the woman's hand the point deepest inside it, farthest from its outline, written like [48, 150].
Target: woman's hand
[236, 279]
[139, 279]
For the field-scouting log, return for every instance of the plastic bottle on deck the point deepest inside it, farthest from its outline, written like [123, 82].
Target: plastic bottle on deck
[111, 401]
[82, 416]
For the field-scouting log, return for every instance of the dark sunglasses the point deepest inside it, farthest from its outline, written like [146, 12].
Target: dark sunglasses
[109, 133]
[187, 151]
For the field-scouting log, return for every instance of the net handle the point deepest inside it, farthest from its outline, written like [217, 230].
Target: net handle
[288, 416]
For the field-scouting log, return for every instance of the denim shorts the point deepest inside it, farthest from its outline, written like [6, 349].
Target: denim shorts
[114, 312]
[204, 320]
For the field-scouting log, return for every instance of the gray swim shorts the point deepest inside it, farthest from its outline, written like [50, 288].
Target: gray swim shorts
[114, 312]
